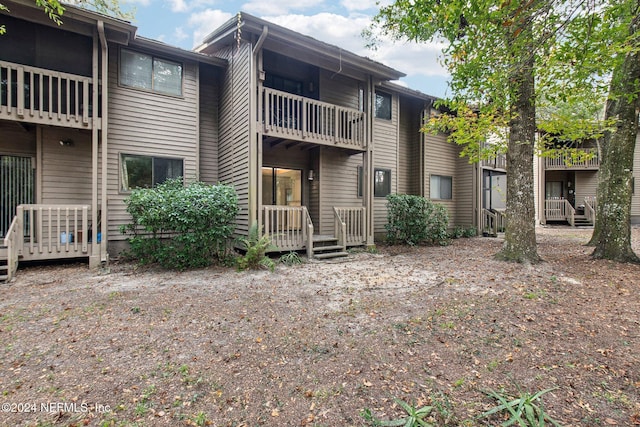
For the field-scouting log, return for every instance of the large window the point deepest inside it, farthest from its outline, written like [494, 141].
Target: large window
[381, 182]
[383, 106]
[441, 187]
[143, 71]
[146, 171]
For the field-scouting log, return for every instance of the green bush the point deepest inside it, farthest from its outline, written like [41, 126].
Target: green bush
[255, 247]
[181, 227]
[415, 220]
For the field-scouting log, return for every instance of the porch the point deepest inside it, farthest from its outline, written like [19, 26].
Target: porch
[493, 222]
[41, 96]
[298, 119]
[290, 229]
[561, 210]
[46, 232]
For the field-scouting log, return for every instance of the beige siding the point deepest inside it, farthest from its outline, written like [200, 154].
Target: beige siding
[463, 185]
[16, 141]
[385, 156]
[441, 158]
[233, 160]
[635, 199]
[409, 148]
[146, 123]
[209, 124]
[66, 170]
[338, 89]
[338, 181]
[586, 185]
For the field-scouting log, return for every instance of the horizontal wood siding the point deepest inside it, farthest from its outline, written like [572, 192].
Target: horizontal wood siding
[586, 185]
[463, 192]
[16, 141]
[441, 158]
[409, 147]
[146, 123]
[209, 90]
[385, 156]
[338, 89]
[338, 181]
[635, 199]
[66, 170]
[233, 149]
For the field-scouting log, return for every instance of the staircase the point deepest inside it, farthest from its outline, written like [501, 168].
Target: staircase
[582, 221]
[4, 266]
[327, 247]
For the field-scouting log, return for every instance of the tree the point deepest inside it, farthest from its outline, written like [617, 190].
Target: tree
[612, 233]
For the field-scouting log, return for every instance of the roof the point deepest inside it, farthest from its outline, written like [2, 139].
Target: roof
[293, 40]
[177, 52]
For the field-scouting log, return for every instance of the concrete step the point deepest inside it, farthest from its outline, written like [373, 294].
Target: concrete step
[329, 255]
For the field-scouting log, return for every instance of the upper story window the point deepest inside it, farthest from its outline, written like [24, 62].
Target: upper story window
[383, 106]
[381, 182]
[144, 71]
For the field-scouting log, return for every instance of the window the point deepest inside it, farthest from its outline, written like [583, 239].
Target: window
[381, 182]
[146, 171]
[383, 106]
[147, 72]
[441, 187]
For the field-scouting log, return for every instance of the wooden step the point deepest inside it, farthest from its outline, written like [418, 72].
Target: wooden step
[327, 248]
[4, 271]
[329, 255]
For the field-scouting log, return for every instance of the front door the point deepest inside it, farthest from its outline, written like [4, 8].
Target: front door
[16, 187]
[281, 187]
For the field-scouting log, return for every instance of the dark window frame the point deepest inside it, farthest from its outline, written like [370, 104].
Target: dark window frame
[153, 174]
[154, 60]
[376, 188]
[447, 178]
[383, 99]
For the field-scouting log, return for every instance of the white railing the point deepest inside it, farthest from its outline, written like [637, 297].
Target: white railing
[289, 227]
[44, 96]
[305, 119]
[559, 210]
[13, 242]
[590, 205]
[350, 225]
[55, 231]
[572, 159]
[493, 222]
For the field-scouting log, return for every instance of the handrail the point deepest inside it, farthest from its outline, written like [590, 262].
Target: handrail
[287, 226]
[563, 159]
[559, 210]
[294, 116]
[13, 242]
[590, 205]
[352, 222]
[493, 221]
[55, 231]
[309, 234]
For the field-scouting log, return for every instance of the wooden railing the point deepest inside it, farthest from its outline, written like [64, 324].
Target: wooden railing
[563, 159]
[493, 222]
[590, 205]
[559, 210]
[55, 231]
[296, 117]
[13, 241]
[45, 96]
[350, 225]
[289, 227]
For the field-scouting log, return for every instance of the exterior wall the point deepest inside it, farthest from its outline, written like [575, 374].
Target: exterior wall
[463, 189]
[233, 149]
[409, 147]
[338, 181]
[209, 131]
[338, 89]
[16, 141]
[65, 176]
[146, 123]
[635, 200]
[586, 185]
[385, 156]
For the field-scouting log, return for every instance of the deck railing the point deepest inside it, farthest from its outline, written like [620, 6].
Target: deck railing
[289, 227]
[493, 222]
[305, 119]
[350, 225]
[563, 159]
[559, 210]
[44, 96]
[13, 241]
[590, 205]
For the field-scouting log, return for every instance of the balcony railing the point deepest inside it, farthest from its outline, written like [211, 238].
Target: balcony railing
[559, 210]
[571, 159]
[303, 119]
[350, 225]
[43, 96]
[289, 227]
[493, 222]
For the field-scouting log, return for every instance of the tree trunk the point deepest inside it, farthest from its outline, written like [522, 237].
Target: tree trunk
[612, 233]
[520, 234]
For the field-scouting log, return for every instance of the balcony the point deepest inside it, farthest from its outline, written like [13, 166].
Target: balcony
[293, 117]
[35, 95]
[572, 159]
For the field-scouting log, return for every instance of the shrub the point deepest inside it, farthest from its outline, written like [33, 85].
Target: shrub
[255, 246]
[181, 227]
[414, 220]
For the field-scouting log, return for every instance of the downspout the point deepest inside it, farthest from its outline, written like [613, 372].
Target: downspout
[104, 255]
[255, 154]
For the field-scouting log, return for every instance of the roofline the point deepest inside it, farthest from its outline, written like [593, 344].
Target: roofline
[250, 23]
[409, 92]
[148, 43]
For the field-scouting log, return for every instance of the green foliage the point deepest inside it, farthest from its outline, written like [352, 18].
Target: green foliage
[415, 416]
[291, 258]
[415, 220]
[181, 227]
[255, 247]
[523, 410]
[460, 231]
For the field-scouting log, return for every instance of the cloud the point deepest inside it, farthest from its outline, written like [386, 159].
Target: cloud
[279, 7]
[359, 5]
[178, 5]
[179, 34]
[203, 23]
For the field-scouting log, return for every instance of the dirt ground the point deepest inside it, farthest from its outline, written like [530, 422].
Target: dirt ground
[319, 343]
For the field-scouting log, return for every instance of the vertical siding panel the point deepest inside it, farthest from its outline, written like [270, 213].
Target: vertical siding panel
[635, 199]
[385, 143]
[209, 137]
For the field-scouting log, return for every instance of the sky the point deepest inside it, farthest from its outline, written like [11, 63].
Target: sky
[185, 23]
